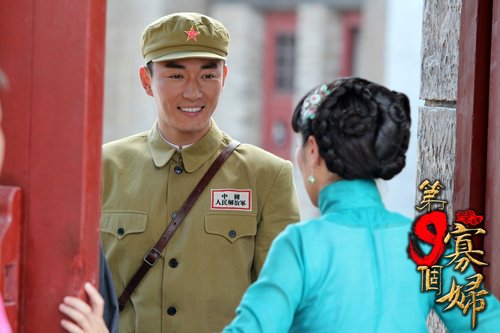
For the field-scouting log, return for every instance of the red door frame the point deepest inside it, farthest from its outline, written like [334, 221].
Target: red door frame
[476, 179]
[53, 54]
[350, 24]
[492, 204]
[277, 104]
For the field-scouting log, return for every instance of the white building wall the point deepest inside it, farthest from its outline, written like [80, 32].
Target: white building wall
[240, 107]
[372, 44]
[402, 60]
[319, 51]
[127, 110]
[318, 59]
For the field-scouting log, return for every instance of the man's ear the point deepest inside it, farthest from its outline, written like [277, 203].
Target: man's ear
[224, 74]
[146, 80]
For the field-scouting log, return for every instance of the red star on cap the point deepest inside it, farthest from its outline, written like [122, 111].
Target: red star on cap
[191, 34]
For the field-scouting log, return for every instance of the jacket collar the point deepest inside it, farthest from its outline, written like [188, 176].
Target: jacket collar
[160, 150]
[193, 156]
[349, 194]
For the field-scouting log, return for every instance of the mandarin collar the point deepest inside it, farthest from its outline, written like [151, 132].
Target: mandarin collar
[193, 156]
[349, 194]
[199, 152]
[160, 150]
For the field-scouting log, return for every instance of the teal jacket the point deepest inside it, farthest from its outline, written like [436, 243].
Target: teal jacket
[349, 271]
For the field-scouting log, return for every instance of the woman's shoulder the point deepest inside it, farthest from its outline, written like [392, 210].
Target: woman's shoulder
[307, 229]
[343, 220]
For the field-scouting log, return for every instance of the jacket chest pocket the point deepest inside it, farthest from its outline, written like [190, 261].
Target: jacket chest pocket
[121, 224]
[231, 227]
[124, 234]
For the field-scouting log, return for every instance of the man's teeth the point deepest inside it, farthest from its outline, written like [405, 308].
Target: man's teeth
[197, 109]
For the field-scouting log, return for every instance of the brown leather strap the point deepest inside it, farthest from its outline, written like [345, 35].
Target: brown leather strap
[154, 253]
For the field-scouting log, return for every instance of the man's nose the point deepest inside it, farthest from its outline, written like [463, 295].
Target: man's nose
[192, 90]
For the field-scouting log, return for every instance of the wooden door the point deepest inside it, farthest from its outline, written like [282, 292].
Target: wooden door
[476, 177]
[492, 204]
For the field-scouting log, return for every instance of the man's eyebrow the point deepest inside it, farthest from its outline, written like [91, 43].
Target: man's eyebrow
[210, 65]
[174, 65]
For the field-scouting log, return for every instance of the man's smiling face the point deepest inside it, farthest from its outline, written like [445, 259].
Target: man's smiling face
[186, 92]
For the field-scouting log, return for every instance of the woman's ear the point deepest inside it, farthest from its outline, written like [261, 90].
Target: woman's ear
[312, 152]
[145, 80]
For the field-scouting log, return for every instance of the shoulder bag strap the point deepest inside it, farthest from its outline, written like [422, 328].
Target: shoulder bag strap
[154, 253]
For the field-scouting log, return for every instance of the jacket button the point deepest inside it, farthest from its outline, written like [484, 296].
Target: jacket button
[178, 169]
[173, 263]
[120, 231]
[171, 311]
[232, 234]
[174, 214]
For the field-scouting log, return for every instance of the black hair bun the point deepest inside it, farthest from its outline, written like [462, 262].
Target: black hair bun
[362, 129]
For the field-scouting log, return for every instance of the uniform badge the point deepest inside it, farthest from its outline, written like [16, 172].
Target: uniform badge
[191, 34]
[230, 199]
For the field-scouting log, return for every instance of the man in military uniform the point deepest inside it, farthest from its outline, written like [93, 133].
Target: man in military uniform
[218, 251]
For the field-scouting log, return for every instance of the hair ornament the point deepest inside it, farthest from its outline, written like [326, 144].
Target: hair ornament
[313, 101]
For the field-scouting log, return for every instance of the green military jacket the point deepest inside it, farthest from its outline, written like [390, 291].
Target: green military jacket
[220, 247]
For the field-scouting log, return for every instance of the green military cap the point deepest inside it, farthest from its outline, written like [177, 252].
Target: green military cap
[184, 35]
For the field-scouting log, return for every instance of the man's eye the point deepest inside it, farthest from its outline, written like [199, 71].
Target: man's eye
[175, 76]
[208, 76]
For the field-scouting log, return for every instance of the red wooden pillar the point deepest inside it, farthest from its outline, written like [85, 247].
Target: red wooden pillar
[472, 106]
[53, 54]
[477, 180]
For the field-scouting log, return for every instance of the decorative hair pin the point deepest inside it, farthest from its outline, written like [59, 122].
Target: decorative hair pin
[313, 101]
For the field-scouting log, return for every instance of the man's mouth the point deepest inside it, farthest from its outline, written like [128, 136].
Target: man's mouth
[191, 109]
